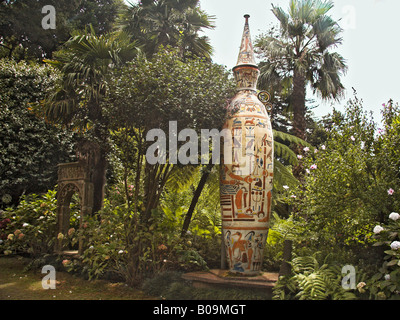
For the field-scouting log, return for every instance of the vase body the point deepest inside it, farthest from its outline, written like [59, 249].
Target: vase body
[247, 179]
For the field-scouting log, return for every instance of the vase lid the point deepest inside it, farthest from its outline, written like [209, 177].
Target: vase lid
[246, 53]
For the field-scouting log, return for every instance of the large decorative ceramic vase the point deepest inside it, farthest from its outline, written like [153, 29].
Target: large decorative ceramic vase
[246, 181]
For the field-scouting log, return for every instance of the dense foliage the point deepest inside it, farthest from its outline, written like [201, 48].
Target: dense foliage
[30, 148]
[23, 37]
[350, 185]
[336, 195]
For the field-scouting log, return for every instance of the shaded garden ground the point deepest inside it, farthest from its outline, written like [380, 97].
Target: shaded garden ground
[17, 283]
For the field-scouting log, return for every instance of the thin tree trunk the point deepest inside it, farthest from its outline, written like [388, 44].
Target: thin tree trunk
[99, 182]
[195, 199]
[299, 114]
[299, 104]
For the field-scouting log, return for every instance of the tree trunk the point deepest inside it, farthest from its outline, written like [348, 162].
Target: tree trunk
[99, 182]
[299, 104]
[287, 258]
[195, 199]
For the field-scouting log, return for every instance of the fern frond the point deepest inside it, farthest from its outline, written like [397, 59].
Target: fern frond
[286, 137]
[282, 151]
[283, 175]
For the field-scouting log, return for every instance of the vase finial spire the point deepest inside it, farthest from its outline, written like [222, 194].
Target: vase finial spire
[246, 71]
[246, 54]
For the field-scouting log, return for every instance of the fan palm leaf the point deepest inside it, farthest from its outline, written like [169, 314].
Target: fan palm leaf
[85, 63]
[301, 51]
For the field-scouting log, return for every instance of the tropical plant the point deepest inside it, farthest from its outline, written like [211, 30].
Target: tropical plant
[85, 63]
[172, 23]
[300, 54]
[23, 37]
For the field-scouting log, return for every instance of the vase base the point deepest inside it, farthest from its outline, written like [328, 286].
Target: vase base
[217, 278]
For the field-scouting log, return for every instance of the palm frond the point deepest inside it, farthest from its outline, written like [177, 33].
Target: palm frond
[181, 178]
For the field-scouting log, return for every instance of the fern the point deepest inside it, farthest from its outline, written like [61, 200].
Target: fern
[286, 137]
[311, 281]
[282, 151]
[283, 175]
[283, 154]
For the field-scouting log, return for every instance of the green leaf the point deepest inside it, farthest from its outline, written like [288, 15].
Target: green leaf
[391, 252]
[393, 263]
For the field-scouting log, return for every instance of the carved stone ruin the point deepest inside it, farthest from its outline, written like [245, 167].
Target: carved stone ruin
[74, 178]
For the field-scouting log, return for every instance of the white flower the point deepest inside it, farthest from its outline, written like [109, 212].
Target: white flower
[306, 149]
[286, 187]
[1, 241]
[352, 138]
[378, 229]
[387, 277]
[121, 251]
[323, 147]
[394, 216]
[299, 157]
[25, 224]
[395, 245]
[41, 217]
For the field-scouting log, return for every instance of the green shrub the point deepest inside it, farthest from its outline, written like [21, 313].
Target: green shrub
[30, 147]
[118, 245]
[31, 226]
[385, 284]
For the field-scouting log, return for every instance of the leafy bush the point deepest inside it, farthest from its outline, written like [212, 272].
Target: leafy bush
[30, 148]
[30, 227]
[119, 246]
[386, 283]
[345, 185]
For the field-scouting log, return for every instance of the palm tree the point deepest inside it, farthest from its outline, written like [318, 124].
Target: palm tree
[300, 54]
[85, 62]
[174, 23]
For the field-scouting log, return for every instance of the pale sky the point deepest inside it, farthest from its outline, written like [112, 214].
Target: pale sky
[371, 43]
